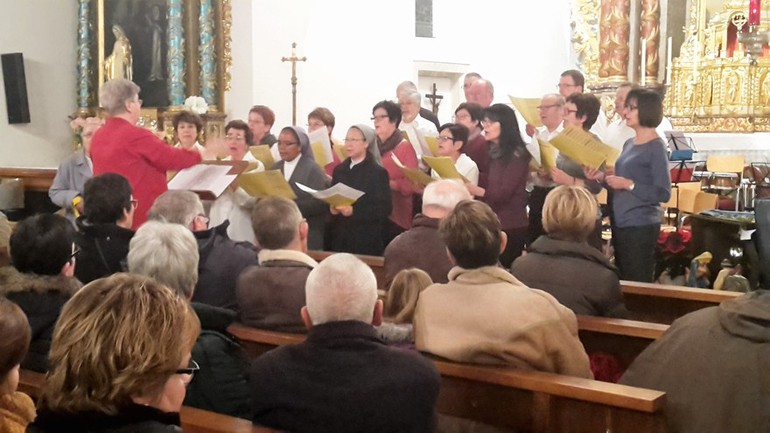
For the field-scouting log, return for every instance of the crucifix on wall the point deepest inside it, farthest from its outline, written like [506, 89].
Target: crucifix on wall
[294, 59]
[435, 99]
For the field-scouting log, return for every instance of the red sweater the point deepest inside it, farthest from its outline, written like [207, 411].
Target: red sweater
[401, 189]
[139, 156]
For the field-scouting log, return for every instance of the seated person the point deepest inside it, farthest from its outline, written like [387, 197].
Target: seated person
[5, 236]
[104, 231]
[16, 408]
[41, 279]
[167, 253]
[342, 378]
[712, 364]
[120, 359]
[583, 279]
[400, 303]
[486, 316]
[221, 259]
[421, 246]
[270, 295]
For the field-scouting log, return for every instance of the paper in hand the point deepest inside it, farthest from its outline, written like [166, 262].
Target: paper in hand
[338, 195]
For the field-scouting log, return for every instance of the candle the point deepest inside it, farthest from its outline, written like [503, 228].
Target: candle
[643, 63]
[754, 11]
[669, 65]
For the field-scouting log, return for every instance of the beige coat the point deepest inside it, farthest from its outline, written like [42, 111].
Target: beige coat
[16, 411]
[487, 316]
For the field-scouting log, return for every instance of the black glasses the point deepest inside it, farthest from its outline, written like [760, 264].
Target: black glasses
[190, 370]
[75, 252]
[380, 117]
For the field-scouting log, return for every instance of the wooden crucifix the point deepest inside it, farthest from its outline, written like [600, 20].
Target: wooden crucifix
[294, 59]
[435, 99]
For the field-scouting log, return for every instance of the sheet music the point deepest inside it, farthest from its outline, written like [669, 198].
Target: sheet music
[322, 146]
[262, 152]
[338, 195]
[203, 178]
[269, 183]
[527, 107]
[413, 174]
[583, 148]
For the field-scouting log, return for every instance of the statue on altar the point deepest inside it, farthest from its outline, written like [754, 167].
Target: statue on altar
[119, 64]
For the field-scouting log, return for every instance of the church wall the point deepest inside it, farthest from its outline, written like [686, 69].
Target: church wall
[358, 51]
[45, 32]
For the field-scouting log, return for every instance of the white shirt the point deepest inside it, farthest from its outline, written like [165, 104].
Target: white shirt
[235, 206]
[466, 167]
[416, 133]
[542, 133]
[289, 166]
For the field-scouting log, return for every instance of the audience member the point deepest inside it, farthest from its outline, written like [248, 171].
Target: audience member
[67, 187]
[234, 205]
[470, 115]
[16, 408]
[41, 279]
[415, 130]
[298, 166]
[337, 380]
[406, 86]
[6, 227]
[270, 295]
[322, 117]
[640, 183]
[167, 253]
[484, 315]
[135, 153]
[451, 142]
[551, 110]
[105, 227]
[422, 246]
[711, 364]
[585, 281]
[470, 78]
[120, 359]
[391, 142]
[400, 303]
[481, 92]
[221, 259]
[505, 191]
[361, 228]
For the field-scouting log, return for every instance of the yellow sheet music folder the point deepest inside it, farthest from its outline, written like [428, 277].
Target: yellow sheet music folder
[527, 107]
[444, 167]
[583, 148]
[339, 149]
[269, 183]
[413, 174]
[547, 154]
[432, 144]
[262, 153]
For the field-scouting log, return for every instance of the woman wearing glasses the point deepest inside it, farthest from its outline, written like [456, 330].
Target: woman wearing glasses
[505, 189]
[451, 141]
[360, 228]
[120, 359]
[640, 183]
[470, 115]
[234, 205]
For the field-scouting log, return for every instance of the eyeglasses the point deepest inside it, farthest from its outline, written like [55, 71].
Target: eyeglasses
[567, 111]
[235, 137]
[380, 117]
[315, 124]
[488, 122]
[545, 107]
[190, 370]
[286, 143]
[443, 138]
[631, 107]
[134, 202]
[75, 252]
[349, 140]
[461, 116]
[562, 85]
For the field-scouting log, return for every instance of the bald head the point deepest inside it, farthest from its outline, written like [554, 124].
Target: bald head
[551, 108]
[441, 197]
[470, 78]
[481, 92]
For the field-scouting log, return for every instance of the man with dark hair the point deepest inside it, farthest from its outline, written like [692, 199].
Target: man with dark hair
[41, 278]
[509, 323]
[105, 228]
[271, 295]
[221, 259]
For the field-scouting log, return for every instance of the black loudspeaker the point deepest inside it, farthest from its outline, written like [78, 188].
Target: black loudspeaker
[15, 88]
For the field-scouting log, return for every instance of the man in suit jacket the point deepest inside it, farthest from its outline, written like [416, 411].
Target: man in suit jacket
[298, 166]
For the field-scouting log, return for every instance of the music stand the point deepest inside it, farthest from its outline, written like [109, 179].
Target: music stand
[681, 150]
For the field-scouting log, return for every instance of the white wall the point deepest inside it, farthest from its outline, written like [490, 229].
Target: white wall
[45, 32]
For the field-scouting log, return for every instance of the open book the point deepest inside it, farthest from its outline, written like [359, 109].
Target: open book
[269, 183]
[585, 149]
[338, 195]
[207, 180]
[413, 174]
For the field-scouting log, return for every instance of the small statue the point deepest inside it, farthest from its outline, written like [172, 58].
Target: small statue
[119, 64]
[698, 273]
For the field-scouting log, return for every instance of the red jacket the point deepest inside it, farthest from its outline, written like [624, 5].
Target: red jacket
[401, 189]
[139, 156]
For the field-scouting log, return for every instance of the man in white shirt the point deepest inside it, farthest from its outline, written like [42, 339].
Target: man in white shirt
[414, 129]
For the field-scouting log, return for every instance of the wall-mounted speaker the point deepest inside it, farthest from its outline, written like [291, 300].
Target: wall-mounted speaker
[15, 88]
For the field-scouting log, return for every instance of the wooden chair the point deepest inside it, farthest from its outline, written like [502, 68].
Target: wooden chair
[728, 164]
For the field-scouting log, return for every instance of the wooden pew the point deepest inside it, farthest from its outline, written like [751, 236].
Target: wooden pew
[663, 304]
[193, 420]
[518, 399]
[625, 339]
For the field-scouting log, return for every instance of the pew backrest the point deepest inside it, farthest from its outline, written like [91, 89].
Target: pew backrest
[664, 303]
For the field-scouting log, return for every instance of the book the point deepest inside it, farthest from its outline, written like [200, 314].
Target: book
[262, 153]
[270, 183]
[413, 174]
[527, 107]
[206, 179]
[585, 149]
[322, 146]
[338, 195]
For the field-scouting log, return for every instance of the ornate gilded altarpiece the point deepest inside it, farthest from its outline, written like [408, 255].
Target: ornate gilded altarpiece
[712, 85]
[172, 49]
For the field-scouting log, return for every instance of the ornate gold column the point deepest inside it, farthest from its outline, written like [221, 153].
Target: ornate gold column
[614, 27]
[649, 19]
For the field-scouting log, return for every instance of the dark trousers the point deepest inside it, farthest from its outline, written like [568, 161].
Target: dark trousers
[635, 251]
[535, 203]
[516, 240]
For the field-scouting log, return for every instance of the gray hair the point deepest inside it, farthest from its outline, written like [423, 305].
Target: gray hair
[404, 87]
[414, 95]
[341, 288]
[115, 93]
[176, 206]
[166, 252]
[444, 194]
[275, 221]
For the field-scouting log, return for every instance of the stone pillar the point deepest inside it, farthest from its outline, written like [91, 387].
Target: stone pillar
[207, 52]
[86, 95]
[614, 30]
[175, 55]
[649, 20]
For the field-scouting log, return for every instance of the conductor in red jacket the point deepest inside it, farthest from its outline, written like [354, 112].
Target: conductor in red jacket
[133, 152]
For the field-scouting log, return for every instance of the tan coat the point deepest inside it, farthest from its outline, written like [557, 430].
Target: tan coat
[16, 411]
[487, 316]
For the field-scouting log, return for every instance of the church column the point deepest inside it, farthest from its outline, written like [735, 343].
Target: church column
[614, 27]
[207, 52]
[176, 61]
[86, 97]
[649, 19]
